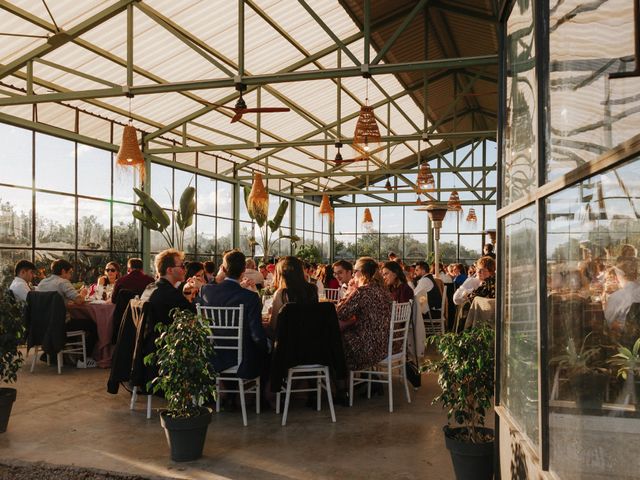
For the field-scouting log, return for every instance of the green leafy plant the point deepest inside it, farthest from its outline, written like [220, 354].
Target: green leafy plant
[11, 336]
[309, 253]
[579, 360]
[154, 217]
[466, 376]
[268, 227]
[627, 361]
[185, 374]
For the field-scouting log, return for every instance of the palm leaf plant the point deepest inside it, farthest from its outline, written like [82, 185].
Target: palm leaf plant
[627, 361]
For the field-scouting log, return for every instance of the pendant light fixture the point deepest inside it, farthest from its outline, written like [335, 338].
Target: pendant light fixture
[258, 200]
[471, 216]
[387, 185]
[367, 220]
[129, 154]
[454, 202]
[367, 132]
[325, 207]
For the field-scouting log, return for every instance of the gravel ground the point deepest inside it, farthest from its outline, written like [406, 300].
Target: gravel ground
[42, 471]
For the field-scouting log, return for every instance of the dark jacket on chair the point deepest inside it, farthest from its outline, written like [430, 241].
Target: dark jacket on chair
[255, 346]
[307, 334]
[164, 298]
[118, 313]
[44, 318]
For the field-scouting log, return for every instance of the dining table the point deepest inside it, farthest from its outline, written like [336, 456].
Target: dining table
[101, 312]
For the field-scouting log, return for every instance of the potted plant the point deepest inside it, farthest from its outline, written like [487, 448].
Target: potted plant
[466, 376]
[588, 379]
[628, 364]
[11, 334]
[187, 380]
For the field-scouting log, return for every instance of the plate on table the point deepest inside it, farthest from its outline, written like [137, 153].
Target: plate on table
[98, 302]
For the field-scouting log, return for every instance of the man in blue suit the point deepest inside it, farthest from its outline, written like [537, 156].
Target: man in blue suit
[229, 293]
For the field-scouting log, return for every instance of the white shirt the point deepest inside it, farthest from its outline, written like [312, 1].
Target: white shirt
[420, 293]
[620, 302]
[445, 277]
[468, 286]
[20, 288]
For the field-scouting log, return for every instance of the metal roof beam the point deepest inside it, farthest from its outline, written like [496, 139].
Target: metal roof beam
[61, 37]
[408, 19]
[466, 12]
[308, 193]
[262, 79]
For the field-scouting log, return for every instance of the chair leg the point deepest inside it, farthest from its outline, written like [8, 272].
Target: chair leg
[390, 376]
[329, 398]
[351, 380]
[369, 378]
[149, 397]
[59, 359]
[84, 347]
[287, 397]
[134, 397]
[318, 393]
[35, 357]
[218, 395]
[243, 406]
[278, 403]
[258, 395]
[403, 370]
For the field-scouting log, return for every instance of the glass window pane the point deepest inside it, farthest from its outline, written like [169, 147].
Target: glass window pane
[8, 259]
[448, 248]
[206, 195]
[519, 361]
[244, 214]
[225, 200]
[490, 217]
[345, 220]
[391, 243]
[44, 258]
[94, 172]
[391, 219]
[16, 150]
[55, 164]
[368, 245]
[55, 221]
[415, 246]
[182, 180]
[375, 216]
[470, 248]
[521, 123]
[94, 224]
[299, 217]
[308, 217]
[224, 235]
[126, 230]
[90, 265]
[345, 247]
[246, 232]
[206, 235]
[162, 185]
[414, 220]
[124, 179]
[593, 295]
[15, 216]
[158, 241]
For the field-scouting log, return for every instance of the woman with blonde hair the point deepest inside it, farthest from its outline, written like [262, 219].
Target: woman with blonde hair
[364, 317]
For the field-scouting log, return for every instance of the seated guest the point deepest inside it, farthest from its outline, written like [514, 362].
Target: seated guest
[364, 317]
[135, 279]
[292, 288]
[162, 294]
[210, 271]
[486, 272]
[619, 302]
[60, 281]
[425, 291]
[487, 251]
[396, 282]
[21, 284]
[325, 275]
[458, 274]
[229, 293]
[193, 269]
[343, 272]
[310, 276]
[253, 274]
[103, 288]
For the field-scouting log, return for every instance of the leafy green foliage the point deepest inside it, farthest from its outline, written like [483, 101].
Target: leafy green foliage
[627, 361]
[466, 376]
[184, 216]
[185, 373]
[579, 360]
[268, 227]
[309, 253]
[11, 335]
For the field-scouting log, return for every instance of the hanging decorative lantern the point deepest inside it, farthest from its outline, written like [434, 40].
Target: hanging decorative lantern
[325, 207]
[387, 185]
[258, 201]
[425, 179]
[471, 216]
[454, 202]
[367, 132]
[129, 154]
[419, 200]
[367, 220]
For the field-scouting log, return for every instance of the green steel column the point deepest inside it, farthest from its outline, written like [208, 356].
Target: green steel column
[146, 186]
[237, 198]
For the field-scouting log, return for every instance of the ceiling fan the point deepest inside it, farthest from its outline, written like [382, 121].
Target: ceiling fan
[240, 108]
[338, 160]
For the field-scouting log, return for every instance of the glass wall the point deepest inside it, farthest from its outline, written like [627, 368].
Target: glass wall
[313, 228]
[66, 200]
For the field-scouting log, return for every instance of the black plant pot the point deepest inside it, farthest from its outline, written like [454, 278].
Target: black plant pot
[7, 397]
[471, 461]
[589, 389]
[186, 436]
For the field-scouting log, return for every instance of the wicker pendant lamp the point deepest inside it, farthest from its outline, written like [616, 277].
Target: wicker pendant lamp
[471, 216]
[454, 202]
[129, 154]
[387, 185]
[325, 207]
[258, 201]
[367, 220]
[367, 132]
[425, 179]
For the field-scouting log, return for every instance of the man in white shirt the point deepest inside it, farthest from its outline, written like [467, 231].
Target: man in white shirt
[343, 272]
[423, 285]
[21, 284]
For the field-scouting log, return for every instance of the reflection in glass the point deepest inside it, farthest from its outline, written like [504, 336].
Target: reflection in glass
[55, 164]
[94, 224]
[593, 296]
[16, 150]
[126, 232]
[55, 221]
[519, 361]
[520, 172]
[15, 216]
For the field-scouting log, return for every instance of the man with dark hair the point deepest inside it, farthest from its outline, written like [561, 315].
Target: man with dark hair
[135, 279]
[343, 272]
[229, 293]
[21, 284]
[426, 296]
[163, 295]
[487, 250]
[210, 271]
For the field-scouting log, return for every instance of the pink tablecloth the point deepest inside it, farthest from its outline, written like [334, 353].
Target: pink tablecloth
[102, 315]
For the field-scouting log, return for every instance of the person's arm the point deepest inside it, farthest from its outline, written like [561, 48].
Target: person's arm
[72, 294]
[461, 295]
[420, 294]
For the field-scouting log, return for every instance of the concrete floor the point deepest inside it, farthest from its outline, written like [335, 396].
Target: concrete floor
[71, 420]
